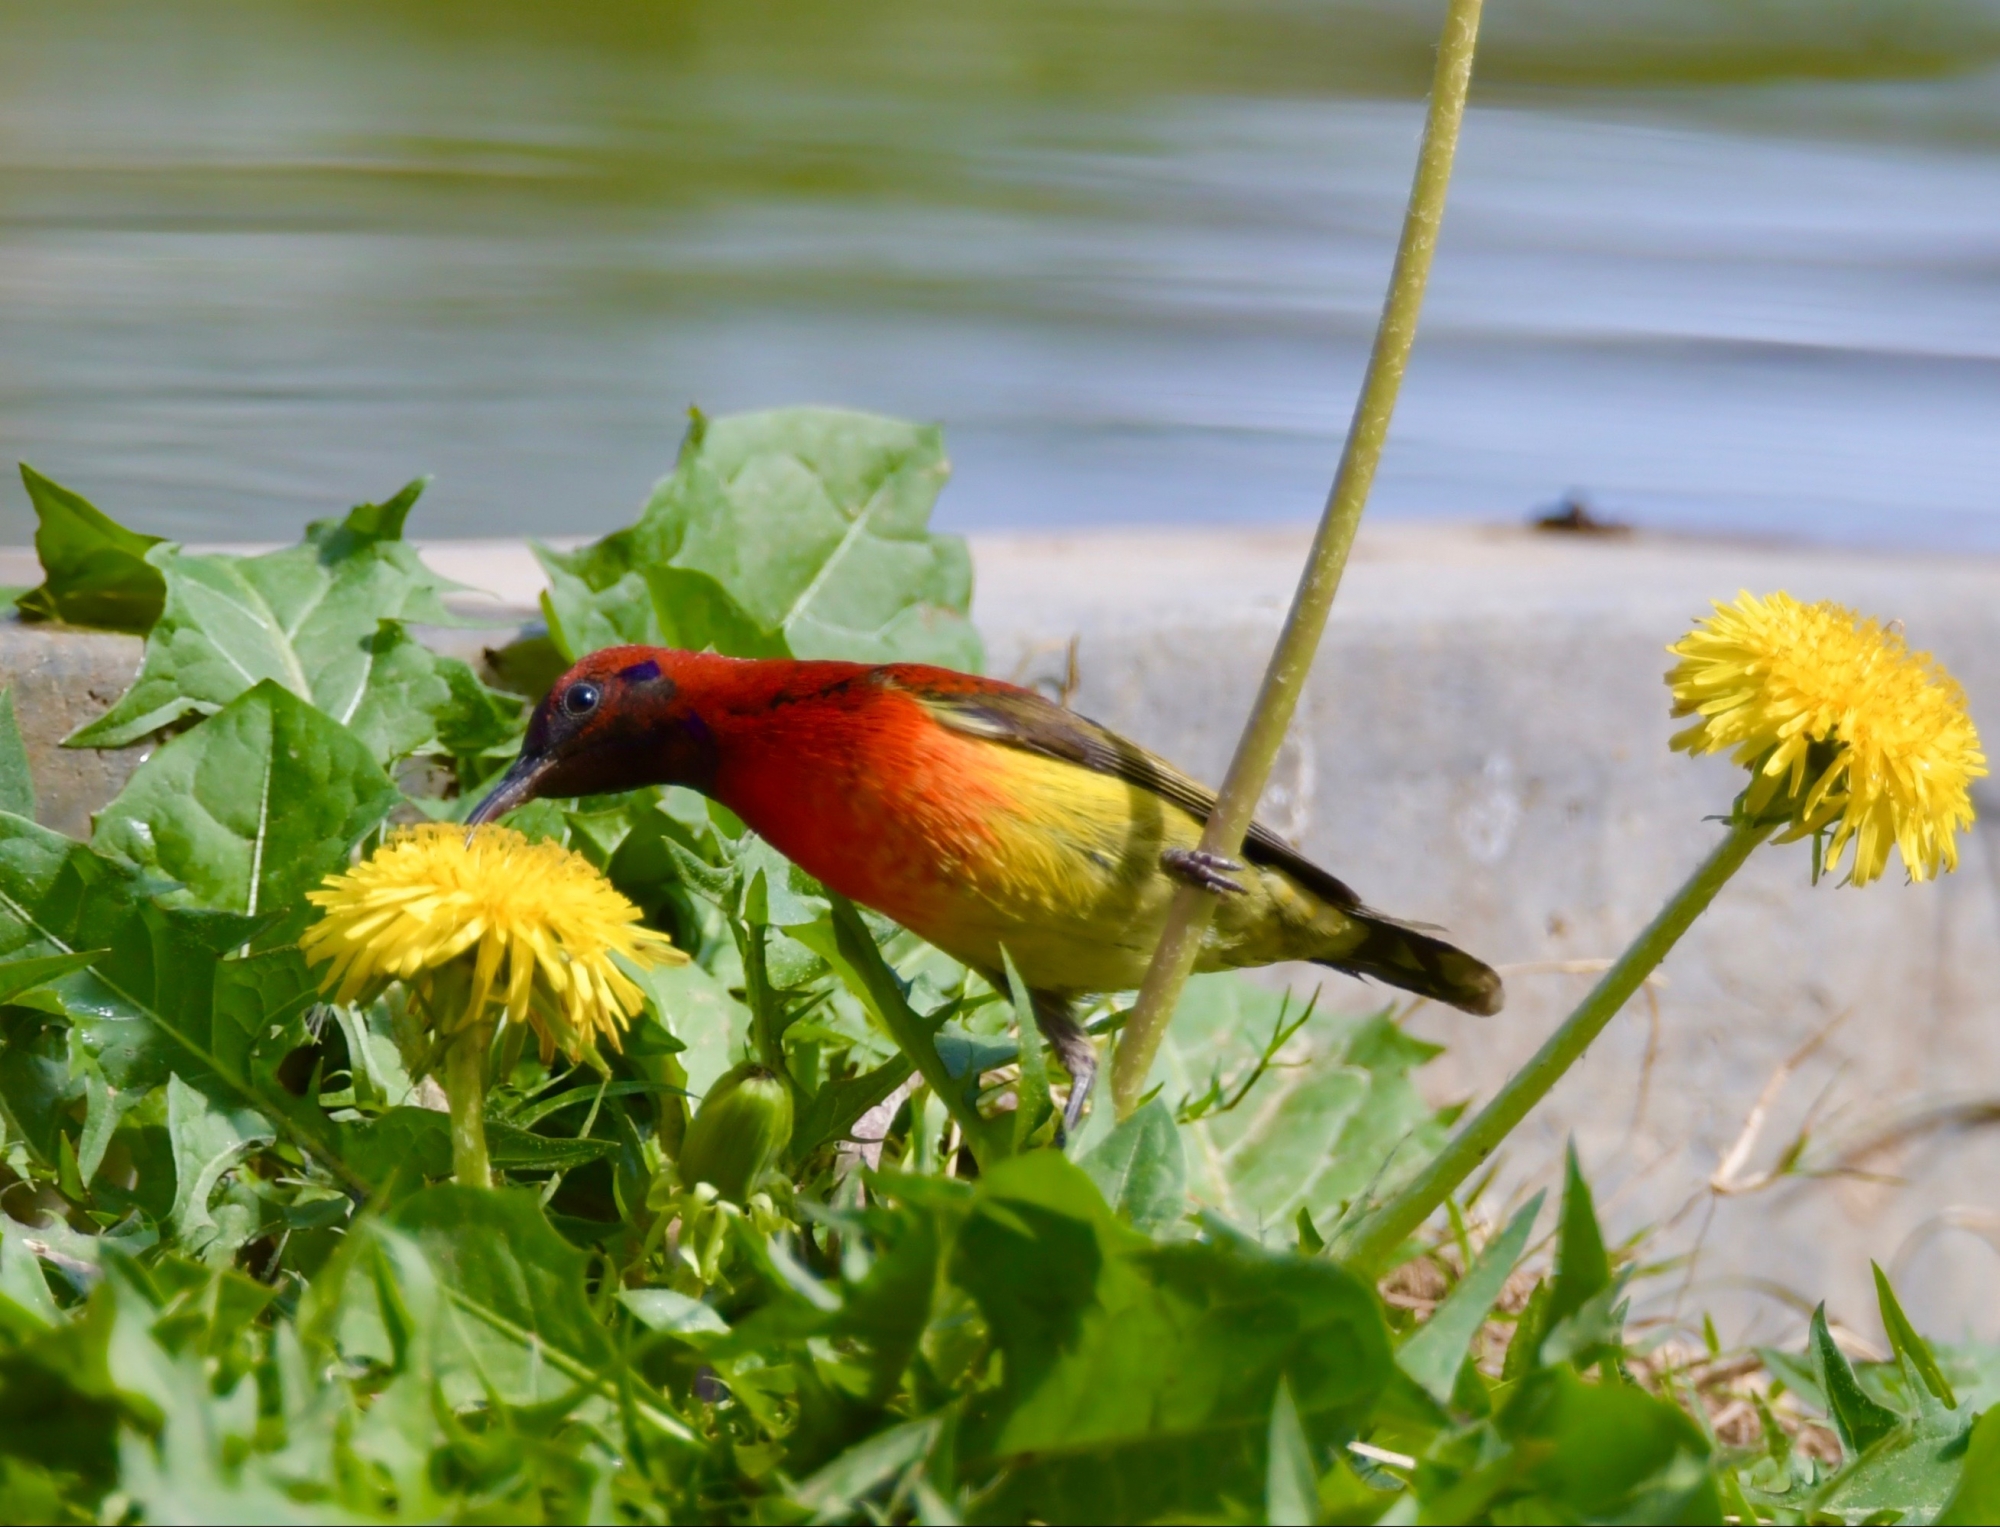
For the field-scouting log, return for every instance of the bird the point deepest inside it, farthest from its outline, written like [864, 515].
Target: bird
[980, 815]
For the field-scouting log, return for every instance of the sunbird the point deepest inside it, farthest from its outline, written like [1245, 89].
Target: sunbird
[981, 816]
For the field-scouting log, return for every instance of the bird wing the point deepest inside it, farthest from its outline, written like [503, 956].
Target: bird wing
[1020, 718]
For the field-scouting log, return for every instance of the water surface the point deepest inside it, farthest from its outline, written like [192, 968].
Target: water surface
[1722, 267]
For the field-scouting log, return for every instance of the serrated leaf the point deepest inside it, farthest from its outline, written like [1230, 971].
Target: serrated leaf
[1139, 1378]
[1341, 1118]
[17, 782]
[94, 570]
[1434, 1353]
[322, 619]
[1524, 1350]
[832, 1112]
[1141, 1169]
[1908, 1345]
[799, 531]
[1976, 1498]
[515, 1322]
[475, 719]
[207, 1142]
[700, 1012]
[888, 1309]
[1583, 1267]
[1906, 1475]
[1600, 1452]
[160, 999]
[252, 808]
[1860, 1419]
[414, 1144]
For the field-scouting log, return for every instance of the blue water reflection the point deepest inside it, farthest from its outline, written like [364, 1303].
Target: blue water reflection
[256, 262]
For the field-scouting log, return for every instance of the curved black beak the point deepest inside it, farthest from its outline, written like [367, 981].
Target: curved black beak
[516, 788]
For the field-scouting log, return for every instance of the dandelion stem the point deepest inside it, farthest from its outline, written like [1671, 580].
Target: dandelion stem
[1291, 660]
[465, 1088]
[1368, 1242]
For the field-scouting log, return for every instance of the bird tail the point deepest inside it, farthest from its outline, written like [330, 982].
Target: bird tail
[1415, 962]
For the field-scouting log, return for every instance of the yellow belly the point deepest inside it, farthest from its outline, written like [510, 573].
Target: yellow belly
[1071, 885]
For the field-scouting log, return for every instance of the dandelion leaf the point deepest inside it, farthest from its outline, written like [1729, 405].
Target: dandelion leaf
[94, 570]
[250, 810]
[800, 531]
[324, 619]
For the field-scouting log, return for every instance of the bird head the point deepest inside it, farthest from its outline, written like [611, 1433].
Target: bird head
[616, 721]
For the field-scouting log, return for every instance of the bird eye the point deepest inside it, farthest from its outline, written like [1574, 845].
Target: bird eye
[581, 699]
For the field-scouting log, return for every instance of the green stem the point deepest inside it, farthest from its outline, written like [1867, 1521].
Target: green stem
[465, 1088]
[1368, 1243]
[911, 1033]
[1192, 909]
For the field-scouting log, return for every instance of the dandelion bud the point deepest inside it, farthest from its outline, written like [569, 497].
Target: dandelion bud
[736, 1135]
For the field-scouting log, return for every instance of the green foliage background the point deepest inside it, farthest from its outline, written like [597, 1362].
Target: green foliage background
[234, 1284]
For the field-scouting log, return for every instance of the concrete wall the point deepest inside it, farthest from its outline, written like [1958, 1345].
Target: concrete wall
[1484, 746]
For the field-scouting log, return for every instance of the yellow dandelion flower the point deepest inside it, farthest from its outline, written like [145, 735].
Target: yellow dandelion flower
[1844, 728]
[484, 929]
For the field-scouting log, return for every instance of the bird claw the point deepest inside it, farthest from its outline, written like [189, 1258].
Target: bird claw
[1210, 872]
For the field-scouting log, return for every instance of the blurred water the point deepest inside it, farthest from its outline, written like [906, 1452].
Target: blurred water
[1727, 266]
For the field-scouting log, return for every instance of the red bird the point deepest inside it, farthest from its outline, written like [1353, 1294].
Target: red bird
[977, 814]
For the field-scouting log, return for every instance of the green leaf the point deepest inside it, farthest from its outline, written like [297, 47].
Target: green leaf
[1977, 1496]
[1141, 1169]
[1033, 1108]
[322, 619]
[1291, 1483]
[1583, 1268]
[699, 1011]
[512, 1319]
[58, 1402]
[1530, 1326]
[37, 1086]
[1138, 1378]
[1434, 1353]
[17, 783]
[19, 976]
[207, 1142]
[414, 1144]
[94, 570]
[22, 1283]
[800, 531]
[160, 998]
[889, 1308]
[474, 719]
[1598, 1452]
[528, 665]
[1595, 1331]
[1907, 1475]
[1860, 1419]
[661, 1309]
[1341, 1118]
[251, 809]
[832, 1492]
[831, 1113]
[1909, 1346]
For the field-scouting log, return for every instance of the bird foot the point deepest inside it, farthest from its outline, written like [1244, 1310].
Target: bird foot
[1082, 1073]
[1073, 1047]
[1210, 872]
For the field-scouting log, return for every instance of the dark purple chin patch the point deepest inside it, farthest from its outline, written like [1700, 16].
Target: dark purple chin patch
[638, 673]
